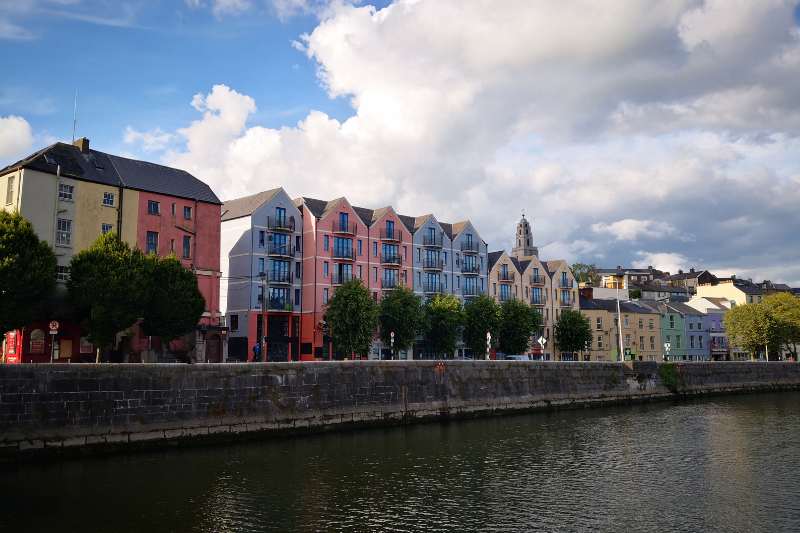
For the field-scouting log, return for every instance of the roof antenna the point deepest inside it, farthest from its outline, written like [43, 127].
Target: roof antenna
[75, 116]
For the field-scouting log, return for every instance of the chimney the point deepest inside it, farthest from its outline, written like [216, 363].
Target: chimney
[681, 271]
[691, 270]
[82, 144]
[619, 267]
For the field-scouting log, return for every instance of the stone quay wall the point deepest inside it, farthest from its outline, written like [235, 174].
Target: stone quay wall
[57, 409]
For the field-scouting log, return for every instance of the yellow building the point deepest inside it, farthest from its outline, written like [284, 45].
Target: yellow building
[641, 331]
[738, 291]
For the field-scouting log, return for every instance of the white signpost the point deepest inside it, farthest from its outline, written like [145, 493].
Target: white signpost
[542, 341]
[488, 343]
[391, 343]
[54, 325]
[667, 346]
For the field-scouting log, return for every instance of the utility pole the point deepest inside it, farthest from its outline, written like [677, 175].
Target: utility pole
[619, 327]
[263, 317]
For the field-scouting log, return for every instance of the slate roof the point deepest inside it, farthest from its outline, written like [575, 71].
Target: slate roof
[687, 275]
[108, 169]
[408, 222]
[242, 207]
[494, 257]
[552, 266]
[652, 287]
[684, 309]
[591, 304]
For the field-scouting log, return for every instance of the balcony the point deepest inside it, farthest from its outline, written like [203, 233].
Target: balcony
[434, 241]
[344, 229]
[537, 280]
[394, 235]
[280, 224]
[473, 269]
[345, 254]
[470, 292]
[566, 284]
[470, 247]
[339, 278]
[390, 283]
[432, 288]
[505, 277]
[279, 278]
[391, 260]
[569, 302]
[281, 250]
[430, 263]
[276, 304]
[540, 301]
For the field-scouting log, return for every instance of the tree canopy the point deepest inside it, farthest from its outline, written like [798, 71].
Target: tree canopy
[107, 286]
[173, 305]
[572, 332]
[784, 308]
[518, 322]
[586, 273]
[352, 317]
[401, 313]
[751, 327]
[27, 272]
[443, 321]
[481, 314]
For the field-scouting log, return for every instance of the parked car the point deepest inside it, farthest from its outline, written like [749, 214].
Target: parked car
[521, 357]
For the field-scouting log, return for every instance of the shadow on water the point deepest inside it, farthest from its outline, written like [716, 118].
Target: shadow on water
[727, 464]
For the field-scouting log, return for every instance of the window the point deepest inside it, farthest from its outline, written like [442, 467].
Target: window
[599, 323]
[62, 273]
[297, 296]
[325, 295]
[374, 249]
[671, 321]
[172, 246]
[234, 322]
[677, 341]
[641, 343]
[625, 321]
[105, 228]
[261, 238]
[360, 248]
[261, 265]
[641, 323]
[691, 341]
[260, 296]
[153, 207]
[325, 269]
[652, 343]
[375, 273]
[280, 216]
[152, 242]
[10, 190]
[298, 246]
[187, 246]
[390, 228]
[650, 324]
[65, 192]
[63, 231]
[700, 341]
[187, 213]
[108, 199]
[298, 270]
[419, 255]
[669, 338]
[627, 341]
[173, 208]
[344, 222]
[691, 325]
[326, 243]
[360, 273]
[600, 342]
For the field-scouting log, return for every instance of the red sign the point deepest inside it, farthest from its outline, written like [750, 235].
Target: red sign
[12, 353]
[54, 324]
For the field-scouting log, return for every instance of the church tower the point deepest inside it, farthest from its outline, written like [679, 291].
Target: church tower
[524, 247]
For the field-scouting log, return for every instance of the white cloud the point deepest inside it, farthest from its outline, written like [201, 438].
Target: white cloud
[631, 229]
[666, 261]
[16, 137]
[150, 141]
[593, 117]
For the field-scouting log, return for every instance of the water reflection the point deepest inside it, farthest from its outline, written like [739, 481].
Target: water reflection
[719, 465]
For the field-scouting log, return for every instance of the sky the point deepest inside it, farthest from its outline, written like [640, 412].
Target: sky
[663, 133]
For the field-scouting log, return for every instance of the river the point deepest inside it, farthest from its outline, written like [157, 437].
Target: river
[721, 464]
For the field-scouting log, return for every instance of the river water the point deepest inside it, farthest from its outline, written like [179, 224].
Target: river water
[723, 464]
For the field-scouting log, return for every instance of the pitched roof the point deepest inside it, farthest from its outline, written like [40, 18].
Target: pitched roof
[687, 275]
[653, 287]
[367, 216]
[683, 308]
[100, 167]
[242, 207]
[552, 266]
[447, 228]
[591, 304]
[408, 222]
[494, 257]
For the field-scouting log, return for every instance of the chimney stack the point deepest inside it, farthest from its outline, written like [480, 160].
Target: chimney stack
[691, 270]
[82, 144]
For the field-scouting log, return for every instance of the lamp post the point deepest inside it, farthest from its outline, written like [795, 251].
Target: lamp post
[391, 344]
[619, 327]
[263, 316]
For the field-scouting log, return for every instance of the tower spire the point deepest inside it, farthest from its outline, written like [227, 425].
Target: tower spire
[523, 240]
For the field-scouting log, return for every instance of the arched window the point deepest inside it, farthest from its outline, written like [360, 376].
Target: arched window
[37, 341]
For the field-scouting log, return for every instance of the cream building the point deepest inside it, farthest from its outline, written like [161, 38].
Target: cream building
[737, 291]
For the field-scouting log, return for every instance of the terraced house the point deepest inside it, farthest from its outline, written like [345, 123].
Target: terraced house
[72, 194]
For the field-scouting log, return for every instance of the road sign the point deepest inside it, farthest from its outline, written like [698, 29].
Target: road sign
[542, 341]
[667, 346]
[54, 325]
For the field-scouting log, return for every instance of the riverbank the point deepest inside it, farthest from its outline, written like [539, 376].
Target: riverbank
[51, 410]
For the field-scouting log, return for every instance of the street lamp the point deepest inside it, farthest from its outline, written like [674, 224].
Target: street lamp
[619, 327]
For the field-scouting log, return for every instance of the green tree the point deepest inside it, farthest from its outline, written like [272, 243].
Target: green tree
[443, 321]
[481, 314]
[27, 272]
[108, 288]
[586, 274]
[785, 311]
[635, 294]
[401, 313]
[518, 322]
[352, 318]
[751, 327]
[572, 332]
[173, 304]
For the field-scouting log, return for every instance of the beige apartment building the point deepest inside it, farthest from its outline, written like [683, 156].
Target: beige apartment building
[641, 331]
[737, 291]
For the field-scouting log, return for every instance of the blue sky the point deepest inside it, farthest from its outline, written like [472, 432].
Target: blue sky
[642, 133]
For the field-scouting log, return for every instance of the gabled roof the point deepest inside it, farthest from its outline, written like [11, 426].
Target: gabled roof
[654, 287]
[552, 266]
[408, 222]
[367, 216]
[684, 309]
[447, 228]
[688, 275]
[591, 304]
[108, 169]
[242, 207]
[317, 207]
[494, 257]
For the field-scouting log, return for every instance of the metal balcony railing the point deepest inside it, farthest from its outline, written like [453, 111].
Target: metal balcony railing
[432, 288]
[279, 277]
[338, 278]
[566, 302]
[432, 240]
[470, 247]
[566, 284]
[429, 263]
[505, 277]
[470, 269]
[282, 250]
[344, 253]
[390, 283]
[280, 224]
[391, 259]
[469, 292]
[393, 235]
[348, 228]
[537, 279]
[540, 300]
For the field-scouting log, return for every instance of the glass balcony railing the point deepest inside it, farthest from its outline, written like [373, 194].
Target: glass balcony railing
[280, 224]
